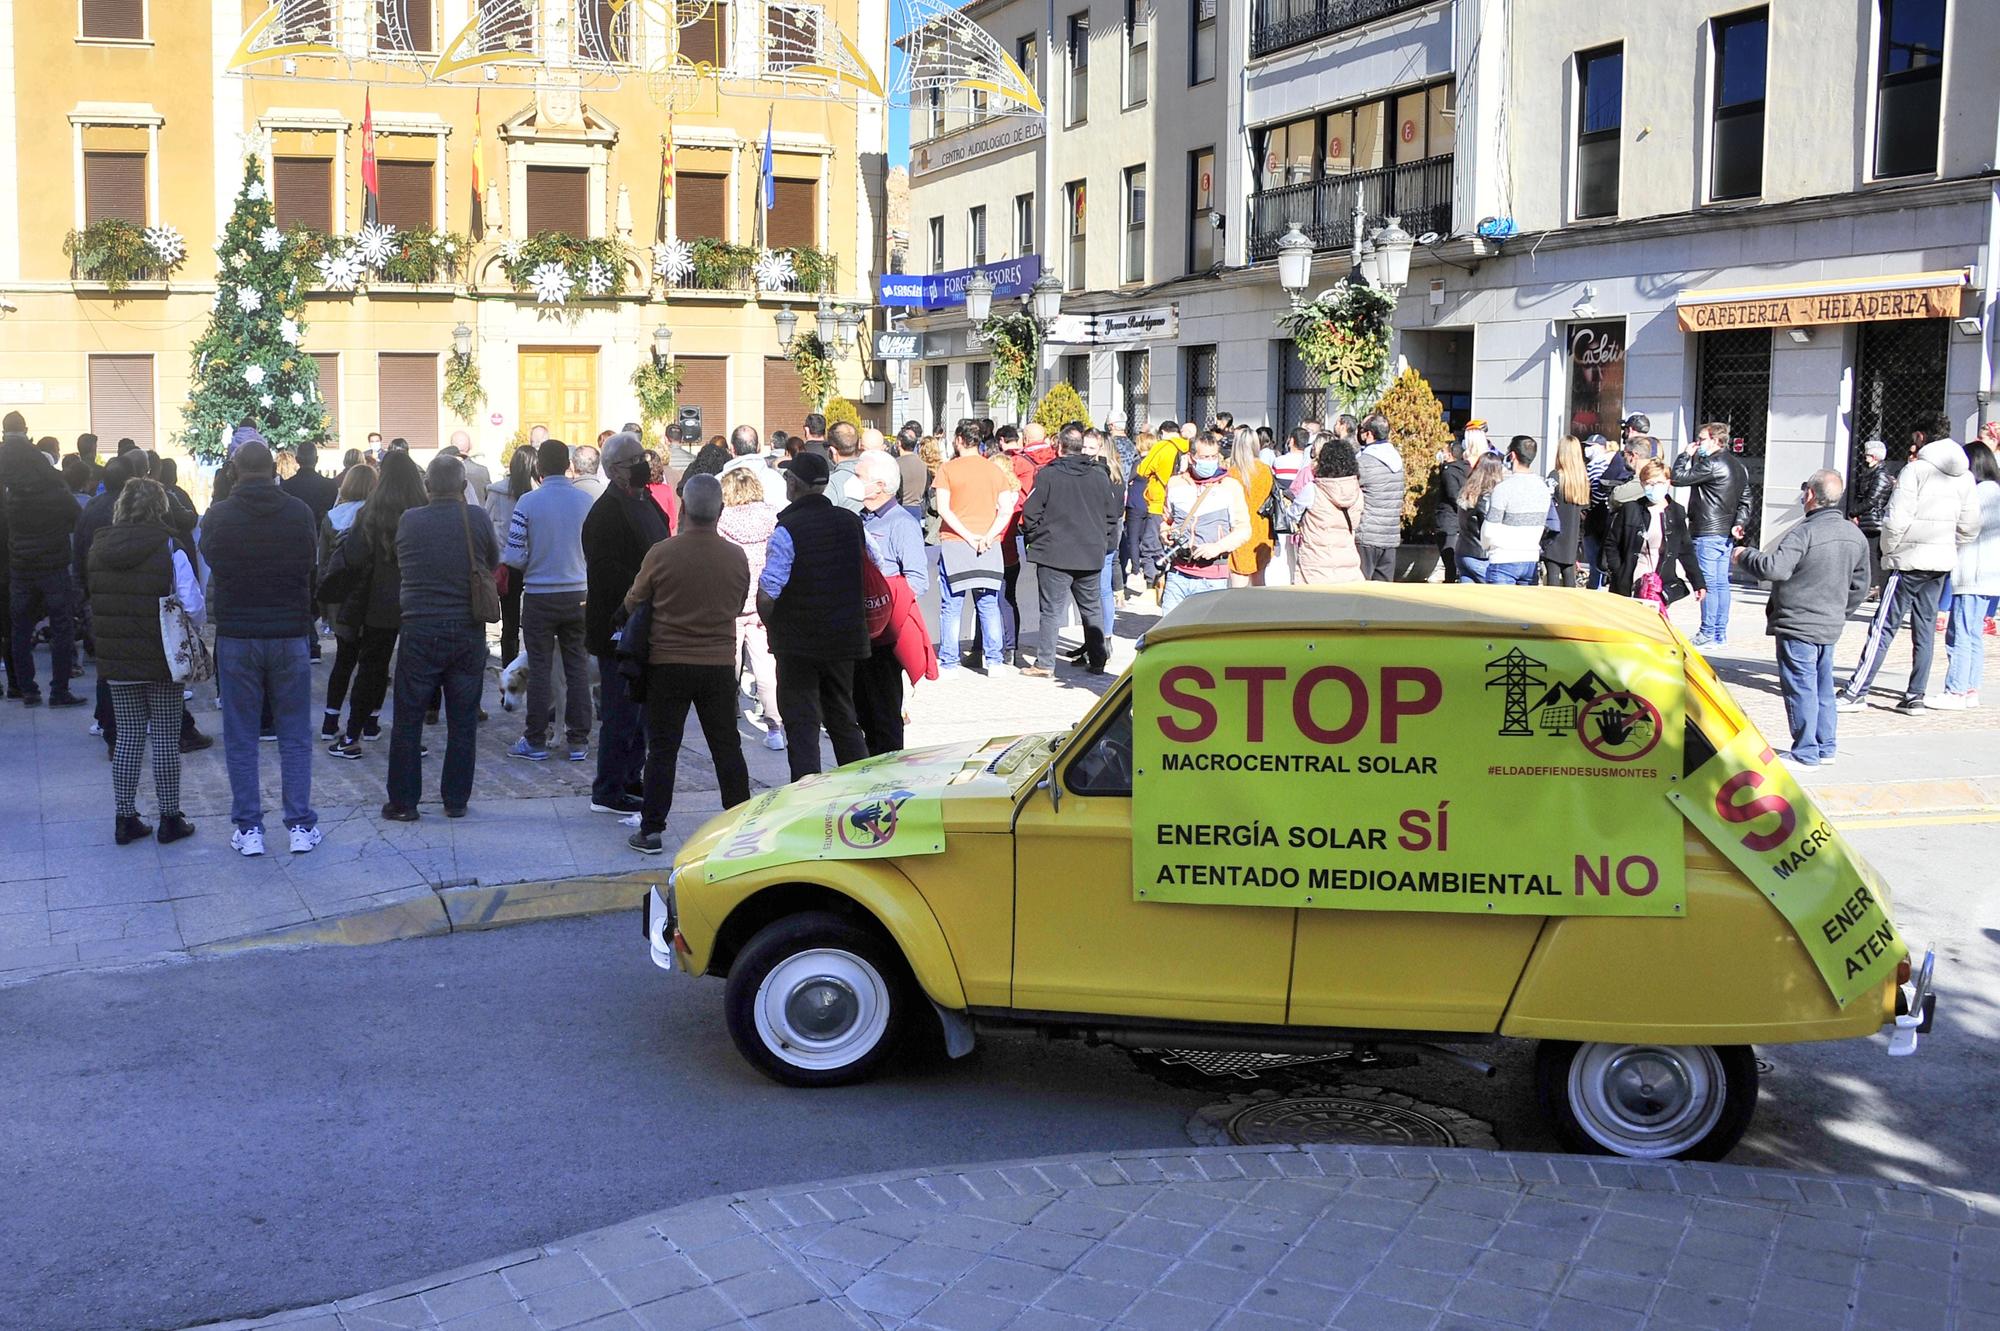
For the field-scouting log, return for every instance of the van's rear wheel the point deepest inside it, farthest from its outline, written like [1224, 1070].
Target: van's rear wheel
[1647, 1101]
[814, 1000]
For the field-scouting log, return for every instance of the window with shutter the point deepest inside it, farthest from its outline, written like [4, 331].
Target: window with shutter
[114, 185]
[705, 384]
[706, 40]
[603, 32]
[121, 399]
[701, 206]
[559, 200]
[329, 389]
[114, 20]
[784, 401]
[791, 36]
[302, 192]
[407, 386]
[407, 199]
[795, 216]
[404, 25]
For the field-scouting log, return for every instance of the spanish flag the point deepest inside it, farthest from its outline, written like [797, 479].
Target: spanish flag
[371, 189]
[478, 226]
[666, 184]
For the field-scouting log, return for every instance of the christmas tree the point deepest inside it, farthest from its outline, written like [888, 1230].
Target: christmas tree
[250, 365]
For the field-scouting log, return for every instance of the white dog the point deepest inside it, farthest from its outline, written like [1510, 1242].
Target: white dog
[514, 684]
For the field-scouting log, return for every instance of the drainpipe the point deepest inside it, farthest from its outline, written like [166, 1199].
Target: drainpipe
[1989, 306]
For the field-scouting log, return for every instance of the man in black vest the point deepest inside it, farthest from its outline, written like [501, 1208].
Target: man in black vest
[620, 528]
[812, 603]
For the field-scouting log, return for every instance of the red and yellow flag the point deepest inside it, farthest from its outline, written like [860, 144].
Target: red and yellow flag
[666, 183]
[371, 190]
[477, 230]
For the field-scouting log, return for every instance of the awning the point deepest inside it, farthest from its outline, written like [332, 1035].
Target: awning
[1935, 295]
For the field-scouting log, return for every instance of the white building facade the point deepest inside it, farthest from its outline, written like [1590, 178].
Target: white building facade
[1778, 216]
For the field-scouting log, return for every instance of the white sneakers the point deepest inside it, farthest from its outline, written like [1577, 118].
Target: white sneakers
[1952, 702]
[250, 841]
[775, 740]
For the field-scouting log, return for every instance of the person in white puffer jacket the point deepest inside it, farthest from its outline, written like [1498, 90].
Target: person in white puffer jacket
[1975, 590]
[1933, 512]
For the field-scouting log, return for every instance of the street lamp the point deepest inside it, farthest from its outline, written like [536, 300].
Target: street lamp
[663, 340]
[461, 340]
[1295, 259]
[823, 318]
[850, 323]
[1393, 246]
[1045, 299]
[978, 297]
[788, 328]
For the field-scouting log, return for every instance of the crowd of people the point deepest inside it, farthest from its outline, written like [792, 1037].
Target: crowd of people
[808, 572]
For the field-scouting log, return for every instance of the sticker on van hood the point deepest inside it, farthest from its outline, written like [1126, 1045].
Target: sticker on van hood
[878, 808]
[1758, 815]
[1398, 771]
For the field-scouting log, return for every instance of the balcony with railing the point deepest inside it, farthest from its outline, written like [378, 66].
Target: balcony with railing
[1417, 192]
[1277, 24]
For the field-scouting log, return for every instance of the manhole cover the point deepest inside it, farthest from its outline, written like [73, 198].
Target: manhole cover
[1348, 1115]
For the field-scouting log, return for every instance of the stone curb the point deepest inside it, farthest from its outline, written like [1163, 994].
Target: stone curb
[1924, 795]
[1639, 1191]
[452, 910]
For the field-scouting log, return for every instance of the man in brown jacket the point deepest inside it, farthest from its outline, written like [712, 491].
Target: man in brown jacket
[697, 583]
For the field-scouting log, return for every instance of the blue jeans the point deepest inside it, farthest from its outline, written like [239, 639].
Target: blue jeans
[251, 675]
[1511, 575]
[1593, 555]
[1471, 570]
[1805, 676]
[1105, 600]
[1711, 554]
[1180, 586]
[34, 596]
[985, 605]
[1965, 641]
[433, 656]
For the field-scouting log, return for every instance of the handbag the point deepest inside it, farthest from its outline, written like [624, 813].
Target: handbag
[485, 596]
[189, 659]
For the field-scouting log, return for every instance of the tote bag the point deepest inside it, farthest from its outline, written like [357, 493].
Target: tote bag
[189, 659]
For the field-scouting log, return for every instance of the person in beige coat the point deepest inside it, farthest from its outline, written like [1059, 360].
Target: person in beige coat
[1333, 507]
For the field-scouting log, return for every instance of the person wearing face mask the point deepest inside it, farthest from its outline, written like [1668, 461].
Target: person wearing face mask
[621, 526]
[1207, 516]
[1648, 554]
[1718, 511]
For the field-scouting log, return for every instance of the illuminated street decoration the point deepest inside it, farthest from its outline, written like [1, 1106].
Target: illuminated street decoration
[947, 51]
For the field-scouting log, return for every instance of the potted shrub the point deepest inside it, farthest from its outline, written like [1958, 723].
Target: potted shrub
[1417, 426]
[1061, 405]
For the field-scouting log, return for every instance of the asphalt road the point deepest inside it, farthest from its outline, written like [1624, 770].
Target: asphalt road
[237, 1136]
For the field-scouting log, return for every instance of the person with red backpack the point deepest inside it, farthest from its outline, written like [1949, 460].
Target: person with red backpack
[896, 574]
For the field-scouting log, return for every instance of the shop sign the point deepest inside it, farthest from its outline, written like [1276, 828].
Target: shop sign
[1938, 298]
[981, 140]
[1427, 757]
[1754, 811]
[1157, 321]
[899, 346]
[1011, 278]
[1596, 378]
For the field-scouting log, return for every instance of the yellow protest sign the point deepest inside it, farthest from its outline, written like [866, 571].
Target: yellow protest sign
[1753, 811]
[1398, 771]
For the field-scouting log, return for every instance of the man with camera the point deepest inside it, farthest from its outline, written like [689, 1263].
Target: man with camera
[1207, 516]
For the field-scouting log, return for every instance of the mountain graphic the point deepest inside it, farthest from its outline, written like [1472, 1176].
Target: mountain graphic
[1583, 690]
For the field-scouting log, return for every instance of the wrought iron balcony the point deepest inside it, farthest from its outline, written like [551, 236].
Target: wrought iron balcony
[1417, 192]
[1277, 24]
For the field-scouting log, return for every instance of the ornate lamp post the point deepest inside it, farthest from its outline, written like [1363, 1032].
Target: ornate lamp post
[1295, 260]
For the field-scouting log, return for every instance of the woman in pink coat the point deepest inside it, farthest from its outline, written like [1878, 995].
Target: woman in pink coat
[1332, 496]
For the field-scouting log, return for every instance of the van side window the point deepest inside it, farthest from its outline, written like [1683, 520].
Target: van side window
[1105, 766]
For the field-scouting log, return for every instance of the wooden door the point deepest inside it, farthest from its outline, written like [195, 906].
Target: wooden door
[784, 401]
[559, 390]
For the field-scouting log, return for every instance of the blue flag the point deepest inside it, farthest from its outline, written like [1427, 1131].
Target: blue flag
[769, 175]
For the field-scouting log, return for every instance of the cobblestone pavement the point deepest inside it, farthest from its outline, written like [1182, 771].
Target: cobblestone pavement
[1246, 1239]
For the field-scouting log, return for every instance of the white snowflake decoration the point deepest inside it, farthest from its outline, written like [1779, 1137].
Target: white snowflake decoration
[302, 432]
[166, 243]
[298, 399]
[450, 247]
[239, 260]
[249, 300]
[512, 249]
[339, 272]
[271, 239]
[597, 278]
[551, 283]
[253, 375]
[376, 244]
[288, 329]
[673, 260]
[265, 400]
[774, 271]
[258, 191]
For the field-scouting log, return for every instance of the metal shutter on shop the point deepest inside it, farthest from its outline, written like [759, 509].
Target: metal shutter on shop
[559, 200]
[408, 388]
[329, 389]
[115, 20]
[406, 194]
[795, 215]
[784, 404]
[302, 193]
[121, 400]
[705, 384]
[701, 206]
[114, 185]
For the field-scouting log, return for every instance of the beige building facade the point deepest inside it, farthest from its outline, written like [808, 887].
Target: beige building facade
[129, 109]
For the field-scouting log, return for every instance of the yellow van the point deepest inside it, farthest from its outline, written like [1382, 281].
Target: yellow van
[1323, 818]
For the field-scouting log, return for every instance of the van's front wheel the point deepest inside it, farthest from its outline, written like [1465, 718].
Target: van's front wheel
[1647, 1101]
[814, 1000]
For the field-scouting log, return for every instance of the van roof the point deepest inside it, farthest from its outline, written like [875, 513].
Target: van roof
[1533, 612]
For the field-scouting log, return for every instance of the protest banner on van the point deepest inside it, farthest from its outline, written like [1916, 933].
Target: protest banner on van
[1390, 771]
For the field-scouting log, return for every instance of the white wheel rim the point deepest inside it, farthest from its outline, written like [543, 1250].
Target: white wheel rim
[822, 1009]
[1647, 1100]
